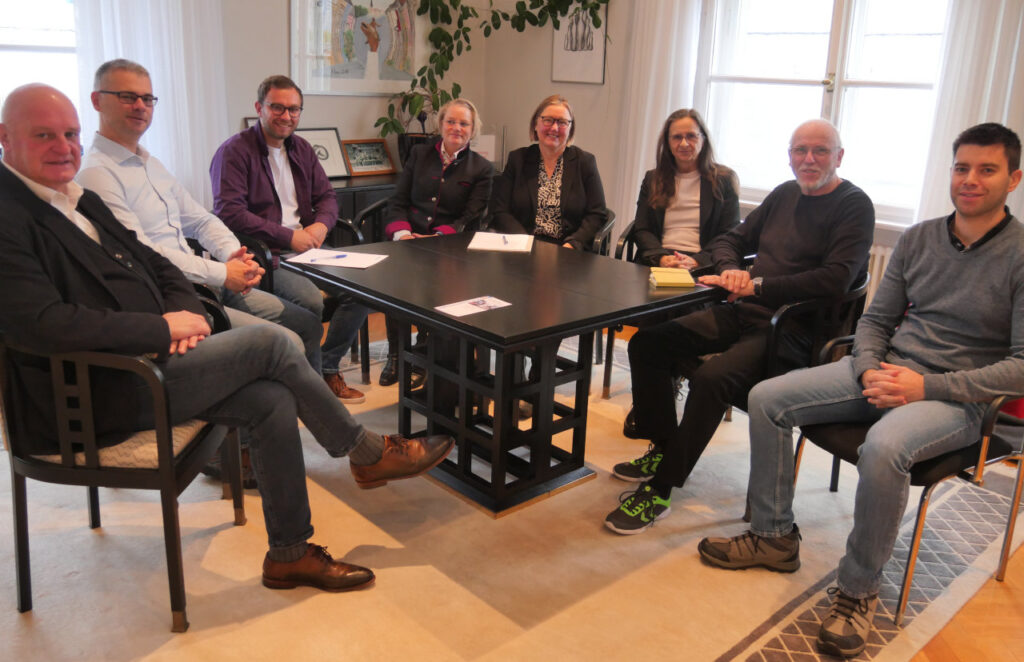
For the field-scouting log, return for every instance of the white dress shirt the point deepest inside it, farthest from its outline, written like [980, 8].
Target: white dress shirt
[146, 198]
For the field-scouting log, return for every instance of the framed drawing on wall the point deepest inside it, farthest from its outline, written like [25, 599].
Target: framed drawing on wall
[357, 46]
[327, 145]
[578, 49]
[367, 157]
[248, 122]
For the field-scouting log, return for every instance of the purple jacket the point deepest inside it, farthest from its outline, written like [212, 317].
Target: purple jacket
[244, 196]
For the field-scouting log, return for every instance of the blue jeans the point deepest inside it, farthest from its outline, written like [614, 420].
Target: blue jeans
[345, 321]
[266, 306]
[256, 379]
[900, 437]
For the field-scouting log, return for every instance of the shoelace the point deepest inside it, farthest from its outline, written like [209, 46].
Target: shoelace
[399, 444]
[652, 450]
[846, 606]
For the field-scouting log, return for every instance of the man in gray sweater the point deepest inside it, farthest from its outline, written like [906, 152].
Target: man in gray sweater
[944, 333]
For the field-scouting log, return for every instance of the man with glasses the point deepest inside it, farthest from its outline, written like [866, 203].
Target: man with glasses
[269, 184]
[812, 238]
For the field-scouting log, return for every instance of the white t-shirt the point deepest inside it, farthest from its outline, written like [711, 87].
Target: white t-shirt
[281, 171]
[682, 218]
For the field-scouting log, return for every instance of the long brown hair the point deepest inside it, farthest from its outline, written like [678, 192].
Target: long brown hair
[663, 187]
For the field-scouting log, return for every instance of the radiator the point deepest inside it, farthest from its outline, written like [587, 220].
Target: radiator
[877, 262]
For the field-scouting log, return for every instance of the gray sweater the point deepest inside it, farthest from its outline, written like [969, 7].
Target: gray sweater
[964, 329]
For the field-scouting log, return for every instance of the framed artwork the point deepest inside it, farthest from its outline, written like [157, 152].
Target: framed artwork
[357, 47]
[327, 145]
[367, 157]
[248, 122]
[578, 50]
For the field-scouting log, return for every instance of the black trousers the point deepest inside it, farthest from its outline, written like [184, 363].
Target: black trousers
[736, 337]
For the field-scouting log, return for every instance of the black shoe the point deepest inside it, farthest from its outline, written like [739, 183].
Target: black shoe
[629, 429]
[213, 470]
[389, 375]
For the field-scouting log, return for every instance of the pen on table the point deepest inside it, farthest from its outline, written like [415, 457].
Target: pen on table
[328, 257]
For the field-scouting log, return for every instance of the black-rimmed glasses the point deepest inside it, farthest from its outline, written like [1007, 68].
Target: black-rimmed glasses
[129, 98]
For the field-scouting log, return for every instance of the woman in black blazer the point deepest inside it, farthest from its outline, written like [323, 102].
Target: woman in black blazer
[443, 189]
[527, 196]
[697, 196]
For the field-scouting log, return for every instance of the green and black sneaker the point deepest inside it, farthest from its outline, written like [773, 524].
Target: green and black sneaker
[639, 510]
[642, 468]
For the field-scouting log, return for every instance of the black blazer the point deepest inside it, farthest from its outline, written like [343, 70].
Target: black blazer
[514, 203]
[428, 200]
[716, 217]
[63, 292]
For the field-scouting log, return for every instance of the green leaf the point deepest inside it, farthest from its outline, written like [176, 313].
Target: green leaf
[456, 90]
[487, 31]
[416, 105]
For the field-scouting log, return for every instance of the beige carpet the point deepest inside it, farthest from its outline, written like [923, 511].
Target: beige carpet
[546, 583]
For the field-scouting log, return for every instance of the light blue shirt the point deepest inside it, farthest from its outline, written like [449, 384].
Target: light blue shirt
[147, 199]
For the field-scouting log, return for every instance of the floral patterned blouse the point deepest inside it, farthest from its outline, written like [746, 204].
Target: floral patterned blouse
[549, 203]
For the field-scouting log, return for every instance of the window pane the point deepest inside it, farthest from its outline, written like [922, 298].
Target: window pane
[896, 41]
[777, 39]
[885, 133]
[38, 23]
[57, 69]
[751, 125]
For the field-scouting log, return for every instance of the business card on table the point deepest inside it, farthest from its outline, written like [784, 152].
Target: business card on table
[337, 258]
[470, 306]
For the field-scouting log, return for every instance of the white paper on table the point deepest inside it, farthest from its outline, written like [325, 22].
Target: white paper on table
[470, 306]
[337, 258]
[493, 241]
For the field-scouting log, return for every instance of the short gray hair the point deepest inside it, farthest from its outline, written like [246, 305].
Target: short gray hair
[119, 64]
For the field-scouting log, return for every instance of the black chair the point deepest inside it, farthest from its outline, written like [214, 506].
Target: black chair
[166, 458]
[1000, 439]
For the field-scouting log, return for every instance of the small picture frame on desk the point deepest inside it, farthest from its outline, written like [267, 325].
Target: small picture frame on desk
[326, 144]
[249, 122]
[367, 157]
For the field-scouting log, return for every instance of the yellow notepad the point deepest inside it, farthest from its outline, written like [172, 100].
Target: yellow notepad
[670, 277]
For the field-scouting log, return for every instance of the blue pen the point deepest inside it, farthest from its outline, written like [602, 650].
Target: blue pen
[328, 257]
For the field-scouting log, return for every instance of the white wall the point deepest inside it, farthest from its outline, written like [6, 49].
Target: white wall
[256, 45]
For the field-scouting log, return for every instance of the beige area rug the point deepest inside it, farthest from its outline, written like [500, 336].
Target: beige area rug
[548, 582]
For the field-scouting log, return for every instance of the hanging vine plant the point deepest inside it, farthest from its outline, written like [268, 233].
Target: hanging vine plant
[452, 22]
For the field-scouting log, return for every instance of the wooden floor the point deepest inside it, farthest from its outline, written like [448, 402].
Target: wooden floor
[990, 627]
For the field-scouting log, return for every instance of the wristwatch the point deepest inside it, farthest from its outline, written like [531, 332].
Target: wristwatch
[757, 285]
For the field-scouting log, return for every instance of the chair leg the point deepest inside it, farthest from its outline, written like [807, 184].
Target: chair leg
[364, 350]
[94, 507]
[833, 485]
[728, 415]
[175, 571]
[21, 558]
[915, 544]
[798, 455]
[231, 461]
[1011, 521]
[606, 385]
[598, 348]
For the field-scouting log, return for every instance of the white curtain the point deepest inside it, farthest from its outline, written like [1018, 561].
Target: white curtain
[982, 80]
[180, 42]
[659, 79]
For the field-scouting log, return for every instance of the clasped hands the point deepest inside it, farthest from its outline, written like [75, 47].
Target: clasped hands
[736, 281]
[187, 329]
[677, 261]
[311, 236]
[892, 386]
[243, 272]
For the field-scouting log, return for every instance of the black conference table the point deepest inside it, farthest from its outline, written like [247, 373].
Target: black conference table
[554, 293]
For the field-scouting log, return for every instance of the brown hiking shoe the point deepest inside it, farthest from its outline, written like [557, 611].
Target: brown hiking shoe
[345, 393]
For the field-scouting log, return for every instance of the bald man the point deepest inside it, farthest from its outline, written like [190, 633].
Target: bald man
[812, 238]
[75, 279]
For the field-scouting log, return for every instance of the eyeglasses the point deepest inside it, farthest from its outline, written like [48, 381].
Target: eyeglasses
[278, 109]
[551, 121]
[129, 98]
[688, 137]
[816, 152]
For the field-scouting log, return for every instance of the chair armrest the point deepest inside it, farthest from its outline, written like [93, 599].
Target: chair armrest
[368, 221]
[602, 240]
[352, 235]
[626, 239]
[215, 311]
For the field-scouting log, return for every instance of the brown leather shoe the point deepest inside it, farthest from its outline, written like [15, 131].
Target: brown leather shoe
[316, 569]
[403, 458]
[345, 393]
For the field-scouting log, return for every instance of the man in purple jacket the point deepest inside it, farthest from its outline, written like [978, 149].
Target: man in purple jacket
[269, 184]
